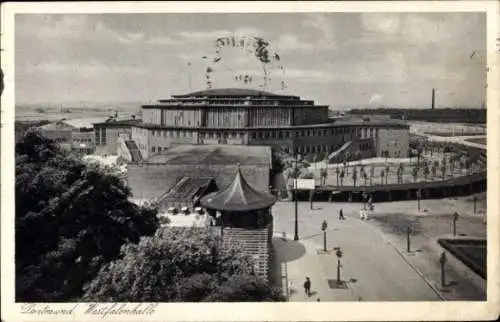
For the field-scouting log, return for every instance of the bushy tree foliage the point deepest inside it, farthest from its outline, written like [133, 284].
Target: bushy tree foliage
[70, 220]
[178, 264]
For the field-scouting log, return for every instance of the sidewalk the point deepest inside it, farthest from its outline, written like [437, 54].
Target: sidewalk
[307, 265]
[371, 268]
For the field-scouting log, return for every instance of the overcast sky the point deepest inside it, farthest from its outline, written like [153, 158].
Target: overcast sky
[344, 60]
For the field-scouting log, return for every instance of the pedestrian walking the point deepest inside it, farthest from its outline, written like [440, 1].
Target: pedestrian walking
[341, 215]
[361, 215]
[307, 286]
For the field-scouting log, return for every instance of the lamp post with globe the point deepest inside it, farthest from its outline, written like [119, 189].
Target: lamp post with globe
[339, 254]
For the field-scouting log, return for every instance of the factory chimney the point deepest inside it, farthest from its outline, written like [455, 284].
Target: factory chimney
[433, 98]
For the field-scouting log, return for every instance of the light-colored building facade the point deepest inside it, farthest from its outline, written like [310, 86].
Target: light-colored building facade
[252, 117]
[106, 134]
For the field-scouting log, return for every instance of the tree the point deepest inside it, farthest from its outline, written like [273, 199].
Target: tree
[292, 172]
[385, 154]
[415, 173]
[346, 160]
[337, 172]
[178, 264]
[323, 172]
[71, 218]
[468, 165]
[382, 174]
[435, 166]
[419, 153]
[426, 171]
[400, 173]
[354, 175]
[342, 174]
[387, 168]
[358, 155]
[277, 162]
[372, 173]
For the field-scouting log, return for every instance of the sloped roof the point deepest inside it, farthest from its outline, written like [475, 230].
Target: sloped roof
[239, 196]
[187, 187]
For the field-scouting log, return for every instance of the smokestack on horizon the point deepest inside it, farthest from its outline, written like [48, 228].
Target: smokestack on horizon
[433, 98]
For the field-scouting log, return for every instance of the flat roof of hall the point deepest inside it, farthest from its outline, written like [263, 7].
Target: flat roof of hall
[232, 92]
[214, 155]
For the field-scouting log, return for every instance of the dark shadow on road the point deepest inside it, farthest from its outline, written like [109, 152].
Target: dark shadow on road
[287, 250]
[284, 250]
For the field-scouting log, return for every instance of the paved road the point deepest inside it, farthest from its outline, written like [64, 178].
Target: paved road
[376, 271]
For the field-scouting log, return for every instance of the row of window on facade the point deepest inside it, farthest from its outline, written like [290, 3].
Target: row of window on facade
[268, 134]
[82, 140]
[312, 133]
[172, 134]
[155, 149]
[305, 149]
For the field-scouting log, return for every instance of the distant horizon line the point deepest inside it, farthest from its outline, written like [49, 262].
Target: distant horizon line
[81, 104]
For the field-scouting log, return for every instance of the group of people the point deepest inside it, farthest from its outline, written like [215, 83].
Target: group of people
[363, 213]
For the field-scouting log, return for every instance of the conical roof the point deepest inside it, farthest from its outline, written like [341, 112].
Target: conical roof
[239, 196]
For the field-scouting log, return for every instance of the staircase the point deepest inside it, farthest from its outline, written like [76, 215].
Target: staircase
[134, 150]
[256, 242]
[334, 157]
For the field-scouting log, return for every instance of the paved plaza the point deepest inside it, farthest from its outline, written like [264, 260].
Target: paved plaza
[375, 264]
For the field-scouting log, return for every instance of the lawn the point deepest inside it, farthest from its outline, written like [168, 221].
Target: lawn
[472, 252]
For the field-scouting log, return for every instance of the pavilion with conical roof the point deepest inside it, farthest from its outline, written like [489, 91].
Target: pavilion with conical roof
[240, 205]
[244, 218]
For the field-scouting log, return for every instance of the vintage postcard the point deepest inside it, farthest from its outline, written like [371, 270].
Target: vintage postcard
[250, 161]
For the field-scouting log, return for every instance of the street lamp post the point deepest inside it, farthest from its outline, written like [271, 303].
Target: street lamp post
[455, 218]
[296, 234]
[324, 226]
[311, 197]
[419, 196]
[408, 231]
[442, 261]
[339, 254]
